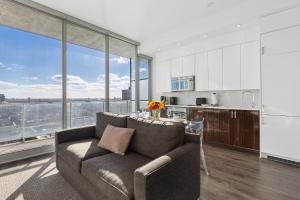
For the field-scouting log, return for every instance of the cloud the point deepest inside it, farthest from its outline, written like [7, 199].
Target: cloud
[121, 60]
[33, 78]
[76, 87]
[143, 70]
[116, 82]
[4, 67]
[6, 85]
[71, 79]
[11, 67]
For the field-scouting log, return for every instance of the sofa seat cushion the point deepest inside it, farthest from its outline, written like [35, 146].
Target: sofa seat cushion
[76, 151]
[155, 138]
[105, 118]
[113, 174]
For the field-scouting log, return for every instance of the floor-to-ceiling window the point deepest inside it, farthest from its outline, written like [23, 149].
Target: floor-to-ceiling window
[53, 72]
[144, 81]
[30, 61]
[121, 64]
[85, 75]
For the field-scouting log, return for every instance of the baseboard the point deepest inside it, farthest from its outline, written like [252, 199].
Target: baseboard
[281, 159]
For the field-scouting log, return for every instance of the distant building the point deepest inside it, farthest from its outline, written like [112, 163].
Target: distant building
[2, 98]
[126, 94]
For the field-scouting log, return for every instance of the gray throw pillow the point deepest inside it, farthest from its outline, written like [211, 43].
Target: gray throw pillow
[155, 138]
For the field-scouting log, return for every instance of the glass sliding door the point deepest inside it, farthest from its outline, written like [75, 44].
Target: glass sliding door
[30, 61]
[85, 75]
[121, 73]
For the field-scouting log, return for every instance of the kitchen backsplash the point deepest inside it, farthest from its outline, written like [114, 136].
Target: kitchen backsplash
[245, 98]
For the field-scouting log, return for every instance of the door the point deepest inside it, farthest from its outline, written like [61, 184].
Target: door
[188, 65]
[224, 127]
[249, 129]
[250, 65]
[282, 41]
[201, 72]
[214, 63]
[232, 68]
[162, 77]
[280, 136]
[209, 118]
[176, 70]
[280, 72]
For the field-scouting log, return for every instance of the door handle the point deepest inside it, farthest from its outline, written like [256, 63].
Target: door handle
[234, 114]
[231, 114]
[263, 121]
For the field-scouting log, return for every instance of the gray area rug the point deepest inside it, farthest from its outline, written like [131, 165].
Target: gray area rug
[35, 179]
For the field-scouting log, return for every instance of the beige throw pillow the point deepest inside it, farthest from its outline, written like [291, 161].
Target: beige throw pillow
[116, 139]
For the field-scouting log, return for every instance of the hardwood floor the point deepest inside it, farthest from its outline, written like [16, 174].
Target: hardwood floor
[238, 175]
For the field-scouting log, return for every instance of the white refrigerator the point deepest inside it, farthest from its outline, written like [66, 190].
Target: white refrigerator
[280, 76]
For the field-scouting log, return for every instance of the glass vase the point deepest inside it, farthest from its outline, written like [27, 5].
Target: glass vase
[156, 114]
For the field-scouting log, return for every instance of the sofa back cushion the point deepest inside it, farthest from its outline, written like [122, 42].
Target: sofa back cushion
[155, 138]
[105, 118]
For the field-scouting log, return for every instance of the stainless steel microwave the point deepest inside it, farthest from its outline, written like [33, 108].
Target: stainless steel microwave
[185, 83]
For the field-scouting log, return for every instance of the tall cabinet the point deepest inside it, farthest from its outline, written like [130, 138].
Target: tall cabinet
[280, 96]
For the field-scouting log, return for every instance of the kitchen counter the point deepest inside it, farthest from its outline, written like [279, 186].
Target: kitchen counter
[214, 107]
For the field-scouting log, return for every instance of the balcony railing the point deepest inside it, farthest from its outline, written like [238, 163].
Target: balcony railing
[21, 121]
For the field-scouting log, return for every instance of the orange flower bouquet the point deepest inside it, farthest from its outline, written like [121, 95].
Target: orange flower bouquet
[155, 107]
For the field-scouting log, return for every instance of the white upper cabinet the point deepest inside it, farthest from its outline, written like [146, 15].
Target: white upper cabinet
[232, 68]
[214, 63]
[201, 72]
[163, 76]
[188, 65]
[176, 69]
[183, 66]
[250, 65]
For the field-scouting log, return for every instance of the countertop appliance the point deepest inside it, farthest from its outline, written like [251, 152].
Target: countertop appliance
[200, 101]
[173, 100]
[214, 99]
[177, 112]
[184, 83]
[163, 99]
[280, 124]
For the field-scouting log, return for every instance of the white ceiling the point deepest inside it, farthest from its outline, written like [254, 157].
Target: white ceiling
[156, 23]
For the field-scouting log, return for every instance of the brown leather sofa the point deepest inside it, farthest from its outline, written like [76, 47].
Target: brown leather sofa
[159, 163]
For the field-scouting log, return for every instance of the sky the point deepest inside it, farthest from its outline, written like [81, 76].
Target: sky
[30, 66]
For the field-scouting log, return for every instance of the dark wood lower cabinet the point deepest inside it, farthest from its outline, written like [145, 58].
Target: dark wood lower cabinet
[249, 129]
[235, 128]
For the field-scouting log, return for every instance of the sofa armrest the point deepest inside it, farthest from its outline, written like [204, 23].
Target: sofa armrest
[73, 134]
[174, 176]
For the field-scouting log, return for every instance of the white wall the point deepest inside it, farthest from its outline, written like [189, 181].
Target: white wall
[197, 45]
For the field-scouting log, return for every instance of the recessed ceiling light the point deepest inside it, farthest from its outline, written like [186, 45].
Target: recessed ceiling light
[204, 35]
[210, 4]
[238, 25]
[158, 49]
